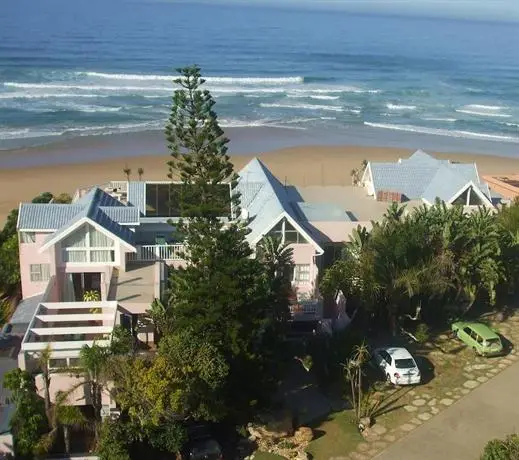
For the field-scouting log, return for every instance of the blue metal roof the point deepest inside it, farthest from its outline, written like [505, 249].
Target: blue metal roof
[266, 200]
[96, 205]
[423, 176]
[93, 210]
[320, 212]
[49, 216]
[137, 195]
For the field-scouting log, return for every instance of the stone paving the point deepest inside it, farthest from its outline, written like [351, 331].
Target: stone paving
[421, 406]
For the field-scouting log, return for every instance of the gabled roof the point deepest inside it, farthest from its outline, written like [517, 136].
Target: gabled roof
[52, 216]
[422, 176]
[94, 210]
[267, 202]
[96, 207]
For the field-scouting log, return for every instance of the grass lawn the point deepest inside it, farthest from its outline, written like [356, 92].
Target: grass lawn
[335, 436]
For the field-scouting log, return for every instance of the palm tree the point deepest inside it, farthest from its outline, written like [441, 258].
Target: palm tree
[94, 360]
[276, 256]
[158, 314]
[394, 213]
[127, 172]
[140, 172]
[43, 364]
[65, 416]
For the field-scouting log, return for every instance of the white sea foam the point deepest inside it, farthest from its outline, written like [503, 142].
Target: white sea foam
[321, 97]
[444, 132]
[400, 107]
[221, 80]
[331, 108]
[7, 134]
[84, 87]
[450, 120]
[484, 113]
[22, 95]
[487, 108]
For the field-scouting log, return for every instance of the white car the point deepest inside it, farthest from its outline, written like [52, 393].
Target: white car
[398, 365]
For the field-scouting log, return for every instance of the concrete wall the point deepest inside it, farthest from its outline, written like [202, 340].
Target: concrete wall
[65, 382]
[339, 232]
[29, 254]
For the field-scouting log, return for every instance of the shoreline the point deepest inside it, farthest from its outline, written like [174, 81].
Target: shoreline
[244, 141]
[305, 165]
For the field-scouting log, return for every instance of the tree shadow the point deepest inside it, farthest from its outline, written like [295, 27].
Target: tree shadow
[426, 369]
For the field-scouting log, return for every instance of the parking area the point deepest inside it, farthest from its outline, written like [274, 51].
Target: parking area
[451, 373]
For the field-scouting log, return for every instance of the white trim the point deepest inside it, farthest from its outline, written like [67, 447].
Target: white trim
[75, 345]
[75, 226]
[295, 225]
[480, 194]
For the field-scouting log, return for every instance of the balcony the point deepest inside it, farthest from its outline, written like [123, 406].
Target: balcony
[156, 252]
[307, 310]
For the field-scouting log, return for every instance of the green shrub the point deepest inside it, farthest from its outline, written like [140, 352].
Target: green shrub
[422, 333]
[507, 449]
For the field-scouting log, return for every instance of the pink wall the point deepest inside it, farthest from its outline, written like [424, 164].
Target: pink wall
[29, 255]
[64, 382]
[339, 232]
[304, 254]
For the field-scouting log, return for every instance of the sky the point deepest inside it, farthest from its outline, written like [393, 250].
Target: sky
[469, 9]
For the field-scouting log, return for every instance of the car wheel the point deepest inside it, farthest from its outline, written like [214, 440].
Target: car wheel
[476, 353]
[388, 379]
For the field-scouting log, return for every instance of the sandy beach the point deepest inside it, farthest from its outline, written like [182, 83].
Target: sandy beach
[304, 165]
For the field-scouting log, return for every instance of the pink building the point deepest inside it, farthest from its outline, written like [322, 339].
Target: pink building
[100, 261]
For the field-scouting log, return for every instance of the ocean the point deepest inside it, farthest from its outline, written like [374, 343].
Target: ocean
[90, 68]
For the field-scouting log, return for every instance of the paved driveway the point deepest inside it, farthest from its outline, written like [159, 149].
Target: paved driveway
[461, 431]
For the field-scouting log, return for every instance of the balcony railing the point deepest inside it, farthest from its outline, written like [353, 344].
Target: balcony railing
[309, 310]
[154, 252]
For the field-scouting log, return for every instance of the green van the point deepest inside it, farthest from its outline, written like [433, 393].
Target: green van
[483, 340]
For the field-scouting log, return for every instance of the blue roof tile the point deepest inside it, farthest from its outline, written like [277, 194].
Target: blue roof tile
[422, 176]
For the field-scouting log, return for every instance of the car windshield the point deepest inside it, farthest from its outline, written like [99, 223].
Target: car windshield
[491, 342]
[404, 363]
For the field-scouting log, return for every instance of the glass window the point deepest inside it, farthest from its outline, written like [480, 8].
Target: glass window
[405, 363]
[40, 272]
[102, 255]
[151, 200]
[74, 256]
[28, 237]
[302, 272]
[57, 363]
[474, 199]
[76, 240]
[98, 239]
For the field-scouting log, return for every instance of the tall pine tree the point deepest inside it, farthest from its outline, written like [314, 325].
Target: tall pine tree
[222, 295]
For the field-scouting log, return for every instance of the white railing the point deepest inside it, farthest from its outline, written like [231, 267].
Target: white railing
[154, 252]
[120, 185]
[307, 310]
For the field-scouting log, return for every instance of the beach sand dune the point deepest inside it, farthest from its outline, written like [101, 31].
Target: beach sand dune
[315, 165]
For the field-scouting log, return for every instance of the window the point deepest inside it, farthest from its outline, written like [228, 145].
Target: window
[467, 331]
[302, 272]
[287, 233]
[57, 363]
[88, 245]
[163, 200]
[40, 272]
[28, 237]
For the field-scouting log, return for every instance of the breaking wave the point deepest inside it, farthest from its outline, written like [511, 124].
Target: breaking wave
[331, 108]
[444, 132]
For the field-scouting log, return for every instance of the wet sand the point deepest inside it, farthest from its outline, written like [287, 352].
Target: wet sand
[303, 165]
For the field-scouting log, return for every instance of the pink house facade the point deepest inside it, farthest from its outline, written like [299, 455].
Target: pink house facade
[102, 260]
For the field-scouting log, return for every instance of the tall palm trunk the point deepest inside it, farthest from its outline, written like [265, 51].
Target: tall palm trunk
[66, 438]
